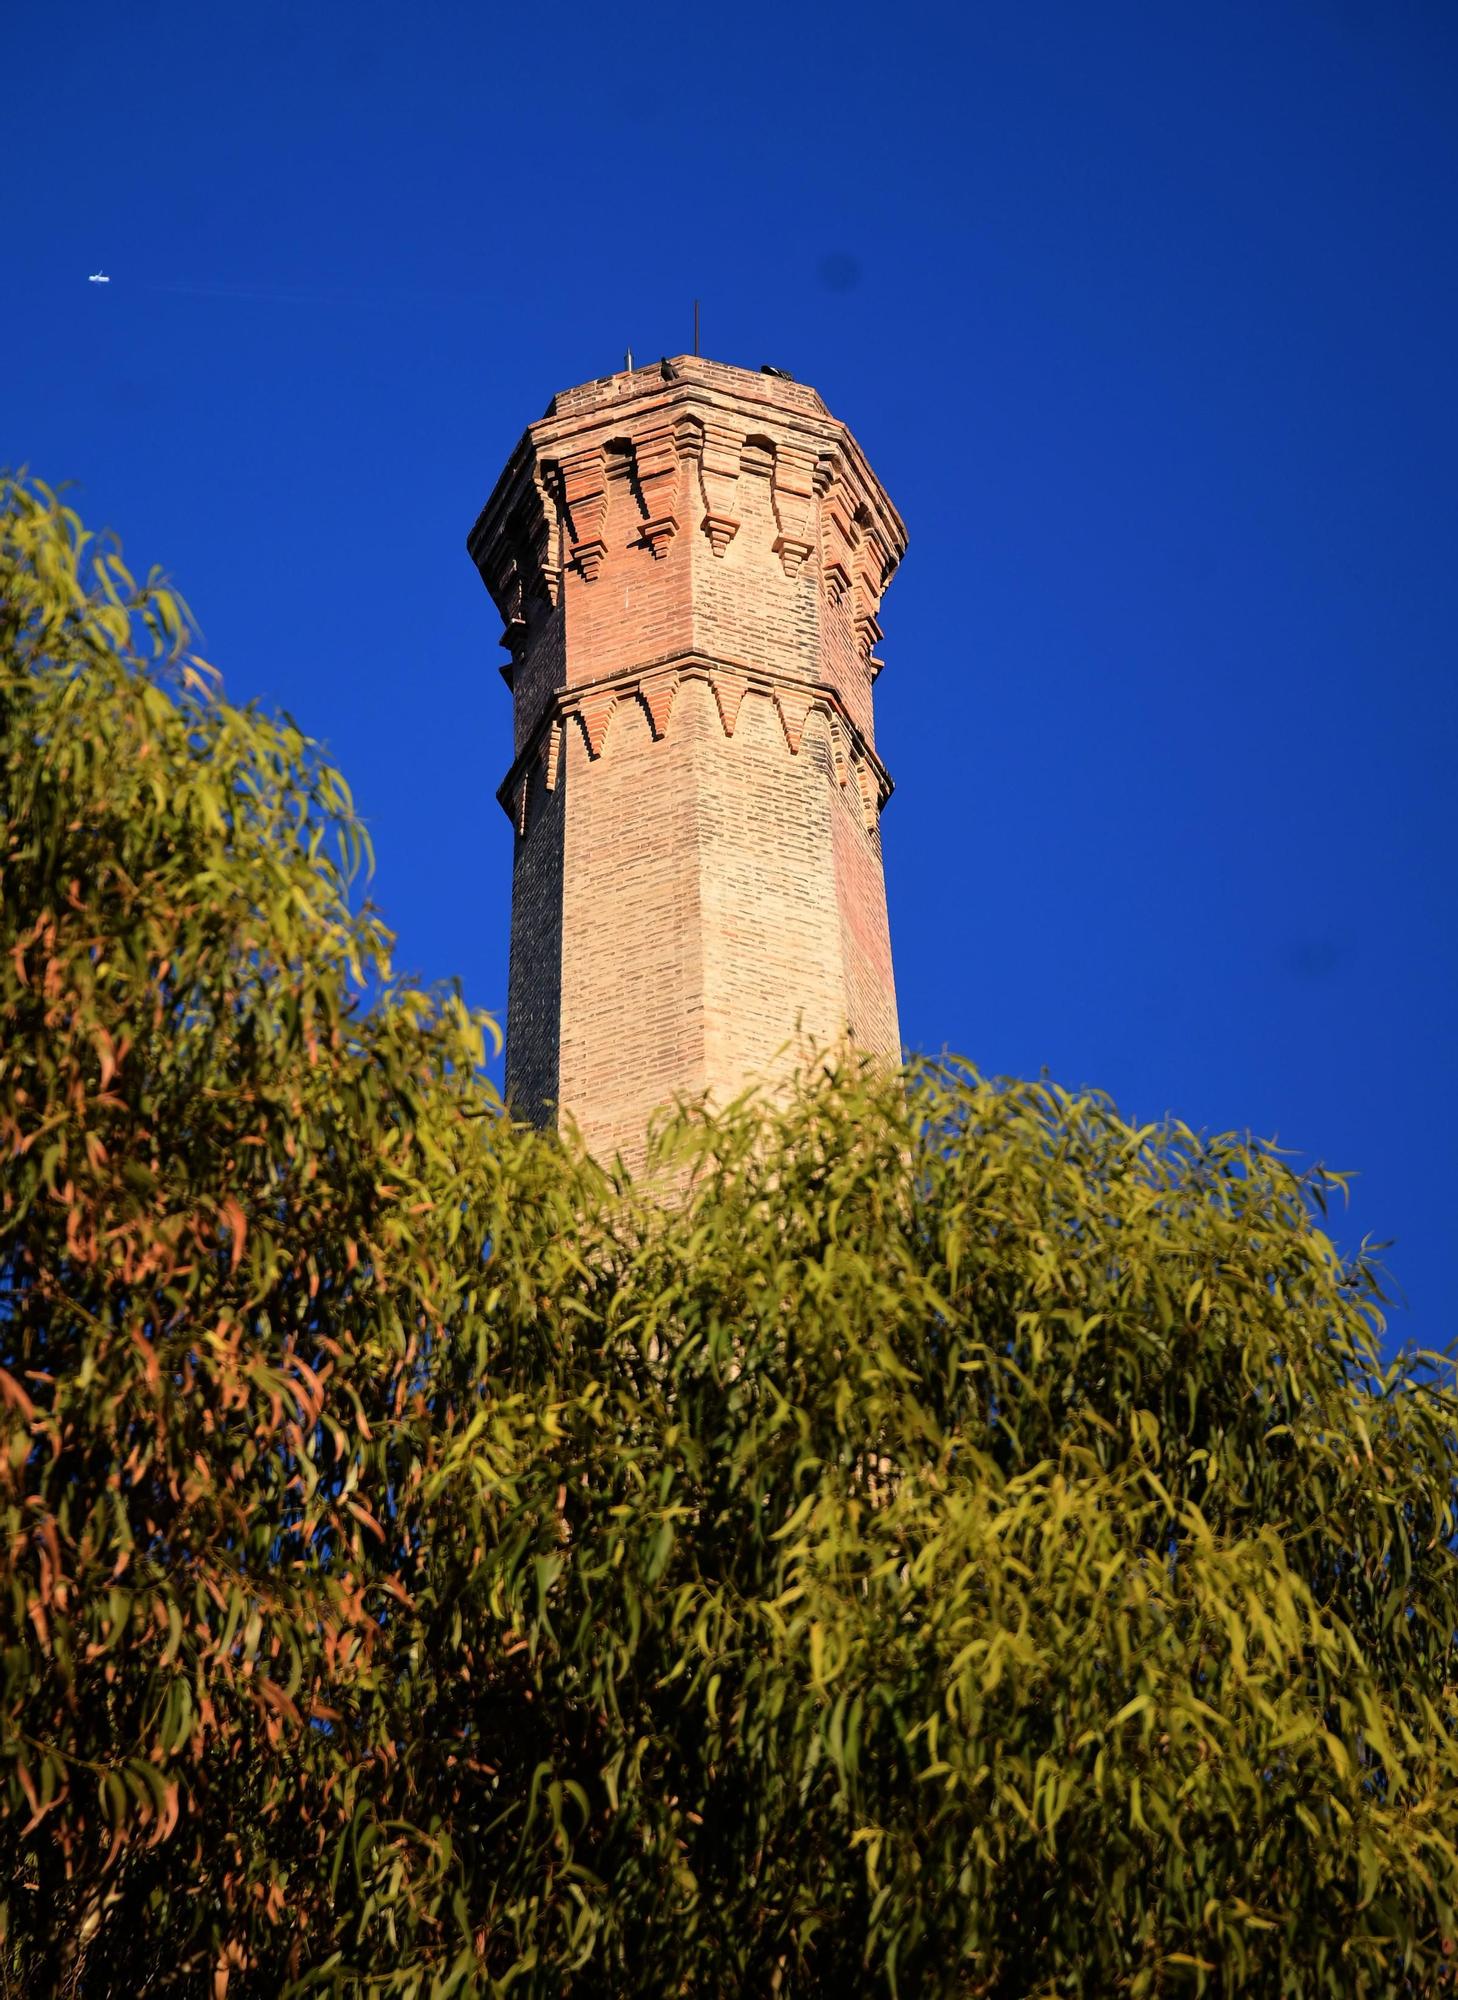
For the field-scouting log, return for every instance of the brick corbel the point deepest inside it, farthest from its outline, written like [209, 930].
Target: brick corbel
[794, 705]
[839, 752]
[870, 794]
[544, 540]
[585, 500]
[729, 692]
[868, 631]
[658, 480]
[871, 564]
[840, 536]
[515, 544]
[656, 693]
[509, 592]
[793, 496]
[594, 711]
[552, 753]
[501, 563]
[719, 467]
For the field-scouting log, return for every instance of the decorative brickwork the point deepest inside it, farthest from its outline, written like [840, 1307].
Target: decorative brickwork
[689, 560]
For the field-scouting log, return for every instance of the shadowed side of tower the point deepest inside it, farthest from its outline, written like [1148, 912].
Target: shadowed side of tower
[689, 562]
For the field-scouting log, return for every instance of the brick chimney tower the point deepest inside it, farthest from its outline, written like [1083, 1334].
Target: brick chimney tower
[689, 560]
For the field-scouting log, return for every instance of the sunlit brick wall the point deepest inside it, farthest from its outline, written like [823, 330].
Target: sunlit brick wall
[689, 561]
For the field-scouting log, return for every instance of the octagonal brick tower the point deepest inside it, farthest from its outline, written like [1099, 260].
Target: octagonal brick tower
[689, 560]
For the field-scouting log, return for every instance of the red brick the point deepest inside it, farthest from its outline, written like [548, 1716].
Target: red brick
[690, 572]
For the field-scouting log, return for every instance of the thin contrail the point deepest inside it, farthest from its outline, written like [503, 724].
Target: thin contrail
[304, 295]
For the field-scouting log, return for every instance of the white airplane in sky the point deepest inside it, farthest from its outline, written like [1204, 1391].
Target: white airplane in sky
[98, 278]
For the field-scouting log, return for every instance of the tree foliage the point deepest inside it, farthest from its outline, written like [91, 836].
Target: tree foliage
[958, 1544]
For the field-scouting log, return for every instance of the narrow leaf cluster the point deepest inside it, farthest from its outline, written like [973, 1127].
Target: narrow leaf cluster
[927, 1537]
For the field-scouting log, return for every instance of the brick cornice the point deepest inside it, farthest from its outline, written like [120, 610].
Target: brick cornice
[589, 706]
[544, 514]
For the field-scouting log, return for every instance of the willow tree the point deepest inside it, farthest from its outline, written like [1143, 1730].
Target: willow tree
[958, 1545]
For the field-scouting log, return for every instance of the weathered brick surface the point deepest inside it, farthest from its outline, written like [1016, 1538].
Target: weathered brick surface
[534, 1005]
[632, 976]
[690, 570]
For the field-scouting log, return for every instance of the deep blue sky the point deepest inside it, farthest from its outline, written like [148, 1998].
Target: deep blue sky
[1145, 315]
